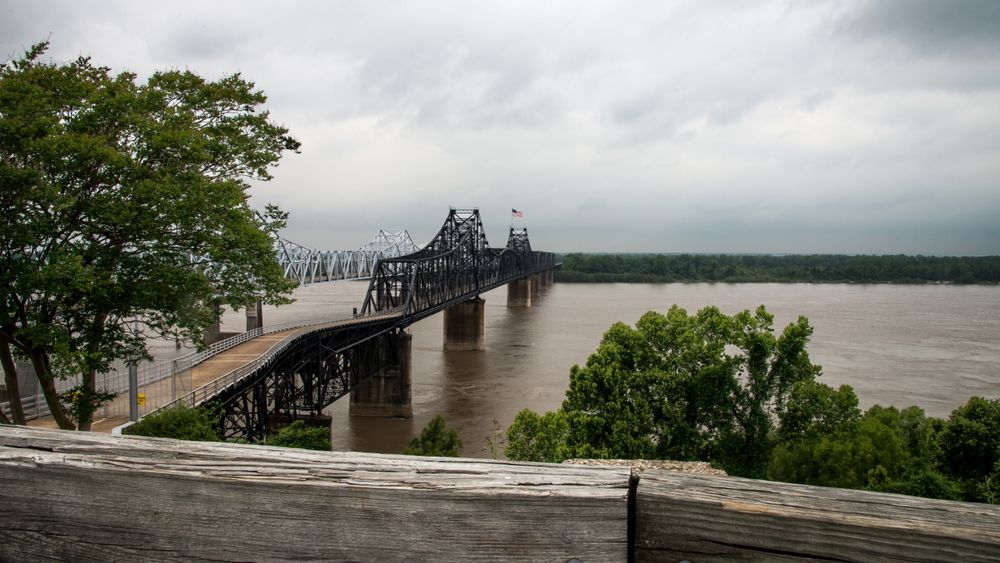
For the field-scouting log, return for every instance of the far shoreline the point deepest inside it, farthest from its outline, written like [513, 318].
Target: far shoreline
[787, 268]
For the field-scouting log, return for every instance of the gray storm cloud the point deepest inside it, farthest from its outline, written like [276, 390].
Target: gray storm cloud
[854, 127]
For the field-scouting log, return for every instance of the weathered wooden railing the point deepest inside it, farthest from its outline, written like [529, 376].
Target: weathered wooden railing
[87, 497]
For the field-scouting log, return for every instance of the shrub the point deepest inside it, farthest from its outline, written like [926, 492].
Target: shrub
[180, 422]
[436, 440]
[298, 435]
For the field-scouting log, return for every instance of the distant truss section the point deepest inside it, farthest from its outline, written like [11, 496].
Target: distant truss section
[306, 265]
[390, 244]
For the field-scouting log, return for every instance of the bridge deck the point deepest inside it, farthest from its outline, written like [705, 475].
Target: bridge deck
[205, 372]
[221, 364]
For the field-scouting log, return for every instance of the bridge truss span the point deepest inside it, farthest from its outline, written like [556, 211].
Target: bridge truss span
[458, 264]
[311, 373]
[307, 265]
[316, 365]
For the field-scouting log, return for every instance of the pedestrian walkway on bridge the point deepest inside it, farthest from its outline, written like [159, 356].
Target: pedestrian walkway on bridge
[207, 371]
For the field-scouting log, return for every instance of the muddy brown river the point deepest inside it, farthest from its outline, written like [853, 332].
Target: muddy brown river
[929, 345]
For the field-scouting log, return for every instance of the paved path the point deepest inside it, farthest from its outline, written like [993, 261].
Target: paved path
[237, 356]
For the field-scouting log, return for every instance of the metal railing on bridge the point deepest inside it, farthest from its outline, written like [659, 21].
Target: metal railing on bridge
[116, 381]
[231, 378]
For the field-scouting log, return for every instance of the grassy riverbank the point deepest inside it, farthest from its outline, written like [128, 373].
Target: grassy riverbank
[759, 268]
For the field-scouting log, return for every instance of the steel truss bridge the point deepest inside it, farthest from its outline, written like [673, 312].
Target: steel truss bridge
[315, 365]
[306, 265]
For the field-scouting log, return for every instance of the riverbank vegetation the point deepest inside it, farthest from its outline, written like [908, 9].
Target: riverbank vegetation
[754, 268]
[200, 424]
[436, 439]
[299, 435]
[179, 422]
[728, 390]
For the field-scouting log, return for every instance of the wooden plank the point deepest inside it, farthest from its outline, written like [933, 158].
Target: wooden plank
[710, 518]
[89, 497]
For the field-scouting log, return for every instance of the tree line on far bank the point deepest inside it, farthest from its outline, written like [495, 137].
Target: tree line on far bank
[755, 268]
[727, 390]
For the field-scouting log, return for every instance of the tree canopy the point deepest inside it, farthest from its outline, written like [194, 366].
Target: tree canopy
[179, 422]
[726, 389]
[126, 201]
[676, 386]
[299, 435]
[436, 439]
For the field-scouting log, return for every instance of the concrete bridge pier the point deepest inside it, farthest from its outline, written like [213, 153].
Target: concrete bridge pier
[255, 315]
[464, 325]
[536, 284]
[214, 332]
[519, 293]
[387, 393]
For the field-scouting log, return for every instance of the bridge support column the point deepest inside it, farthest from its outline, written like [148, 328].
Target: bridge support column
[536, 284]
[255, 315]
[464, 325]
[387, 393]
[519, 293]
[214, 332]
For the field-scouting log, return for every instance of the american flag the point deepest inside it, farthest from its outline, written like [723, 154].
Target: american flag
[516, 213]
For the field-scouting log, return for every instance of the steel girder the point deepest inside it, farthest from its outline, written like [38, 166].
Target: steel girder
[458, 264]
[518, 240]
[307, 265]
[310, 375]
[320, 367]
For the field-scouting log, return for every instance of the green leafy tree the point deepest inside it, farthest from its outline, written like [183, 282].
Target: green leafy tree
[815, 440]
[80, 401]
[179, 422]
[436, 439]
[126, 201]
[922, 475]
[919, 480]
[814, 409]
[676, 386]
[824, 441]
[970, 446]
[989, 489]
[298, 435]
[646, 268]
[538, 437]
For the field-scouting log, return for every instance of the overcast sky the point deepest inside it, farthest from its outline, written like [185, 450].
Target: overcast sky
[814, 126]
